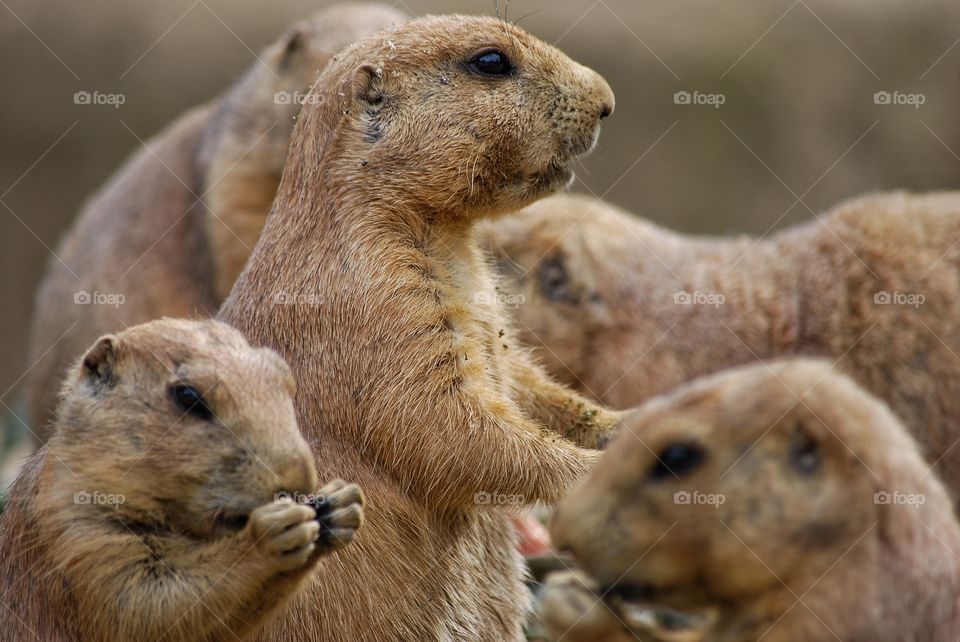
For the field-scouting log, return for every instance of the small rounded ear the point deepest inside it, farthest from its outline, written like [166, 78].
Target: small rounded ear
[294, 41]
[99, 363]
[368, 85]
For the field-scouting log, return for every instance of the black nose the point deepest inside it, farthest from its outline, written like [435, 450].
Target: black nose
[606, 110]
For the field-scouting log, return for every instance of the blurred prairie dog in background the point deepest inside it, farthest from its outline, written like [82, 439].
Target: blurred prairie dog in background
[168, 234]
[624, 310]
[781, 500]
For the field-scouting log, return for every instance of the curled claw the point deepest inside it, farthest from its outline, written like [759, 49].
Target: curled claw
[285, 533]
[338, 507]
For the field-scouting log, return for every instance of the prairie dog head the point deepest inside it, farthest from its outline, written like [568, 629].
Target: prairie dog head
[292, 63]
[181, 423]
[465, 116]
[744, 483]
[259, 112]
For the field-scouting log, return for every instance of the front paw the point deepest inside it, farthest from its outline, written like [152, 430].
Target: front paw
[285, 534]
[571, 611]
[338, 510]
[597, 427]
[615, 424]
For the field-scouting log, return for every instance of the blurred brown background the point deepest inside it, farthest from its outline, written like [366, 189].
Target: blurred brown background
[797, 78]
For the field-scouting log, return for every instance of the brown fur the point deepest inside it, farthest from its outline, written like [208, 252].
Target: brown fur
[800, 547]
[173, 228]
[599, 289]
[368, 279]
[173, 559]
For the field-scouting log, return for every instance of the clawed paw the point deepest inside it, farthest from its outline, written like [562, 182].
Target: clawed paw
[338, 511]
[285, 533]
[571, 611]
[291, 535]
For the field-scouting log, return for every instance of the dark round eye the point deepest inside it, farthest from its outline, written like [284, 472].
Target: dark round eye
[491, 63]
[676, 460]
[189, 400]
[555, 281]
[804, 456]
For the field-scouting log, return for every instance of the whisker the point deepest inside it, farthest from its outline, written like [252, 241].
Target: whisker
[526, 15]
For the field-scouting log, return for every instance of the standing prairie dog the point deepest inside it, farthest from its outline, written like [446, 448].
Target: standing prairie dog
[368, 280]
[625, 310]
[781, 499]
[171, 230]
[150, 512]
